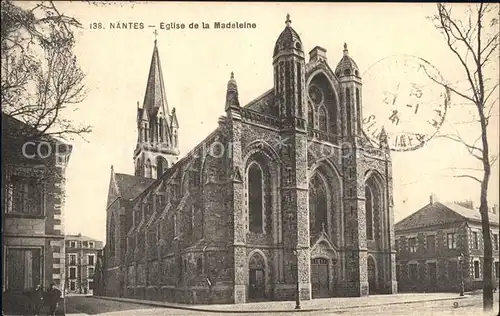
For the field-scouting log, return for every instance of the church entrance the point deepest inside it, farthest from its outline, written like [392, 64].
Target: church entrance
[319, 278]
[372, 277]
[257, 284]
[256, 277]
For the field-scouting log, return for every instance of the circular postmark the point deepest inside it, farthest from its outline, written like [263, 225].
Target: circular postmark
[402, 96]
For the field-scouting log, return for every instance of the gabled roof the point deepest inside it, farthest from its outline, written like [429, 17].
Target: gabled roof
[438, 213]
[470, 214]
[130, 186]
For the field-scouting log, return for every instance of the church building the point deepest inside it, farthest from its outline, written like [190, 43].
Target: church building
[286, 193]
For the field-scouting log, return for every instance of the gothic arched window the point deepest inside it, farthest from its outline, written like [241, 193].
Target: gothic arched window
[323, 120]
[310, 115]
[138, 167]
[160, 123]
[358, 109]
[161, 166]
[348, 110]
[111, 237]
[149, 169]
[317, 205]
[176, 140]
[255, 198]
[146, 130]
[369, 213]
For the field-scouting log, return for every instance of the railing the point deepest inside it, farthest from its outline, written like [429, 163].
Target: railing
[323, 136]
[260, 118]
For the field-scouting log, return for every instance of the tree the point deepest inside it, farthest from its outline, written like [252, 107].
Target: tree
[473, 39]
[41, 79]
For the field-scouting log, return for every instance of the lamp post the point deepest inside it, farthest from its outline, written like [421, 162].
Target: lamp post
[297, 290]
[461, 260]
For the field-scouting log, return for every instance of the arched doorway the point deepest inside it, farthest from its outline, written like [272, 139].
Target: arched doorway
[319, 277]
[256, 277]
[372, 275]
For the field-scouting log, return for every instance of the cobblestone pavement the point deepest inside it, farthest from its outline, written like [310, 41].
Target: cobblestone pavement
[471, 305]
[91, 306]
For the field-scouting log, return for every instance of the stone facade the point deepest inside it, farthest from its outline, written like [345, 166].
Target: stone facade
[33, 173]
[430, 242]
[279, 196]
[82, 255]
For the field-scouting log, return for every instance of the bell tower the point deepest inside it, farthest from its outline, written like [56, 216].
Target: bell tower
[289, 89]
[157, 128]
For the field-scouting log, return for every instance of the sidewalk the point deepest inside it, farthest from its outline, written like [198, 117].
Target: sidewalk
[335, 303]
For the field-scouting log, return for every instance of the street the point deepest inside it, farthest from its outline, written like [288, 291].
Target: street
[471, 305]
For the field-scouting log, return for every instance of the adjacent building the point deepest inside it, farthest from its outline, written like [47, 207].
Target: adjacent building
[33, 185]
[268, 202]
[442, 242]
[82, 256]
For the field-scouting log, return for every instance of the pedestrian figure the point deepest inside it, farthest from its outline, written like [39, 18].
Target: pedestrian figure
[52, 299]
[37, 300]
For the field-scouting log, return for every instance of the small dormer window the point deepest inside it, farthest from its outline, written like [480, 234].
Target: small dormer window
[356, 73]
[298, 46]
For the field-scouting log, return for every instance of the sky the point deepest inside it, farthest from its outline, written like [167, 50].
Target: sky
[196, 66]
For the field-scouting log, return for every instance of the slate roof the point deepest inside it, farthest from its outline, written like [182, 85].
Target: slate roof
[98, 244]
[131, 186]
[439, 213]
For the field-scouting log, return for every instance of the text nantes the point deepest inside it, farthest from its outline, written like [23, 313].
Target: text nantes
[234, 25]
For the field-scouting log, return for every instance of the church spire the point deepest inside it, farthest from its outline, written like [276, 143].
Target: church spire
[232, 99]
[155, 97]
[157, 128]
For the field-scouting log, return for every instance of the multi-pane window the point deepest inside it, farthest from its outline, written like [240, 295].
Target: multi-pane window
[413, 271]
[72, 259]
[91, 272]
[476, 270]
[452, 270]
[475, 240]
[72, 273]
[431, 243]
[25, 196]
[91, 260]
[72, 285]
[23, 268]
[199, 266]
[451, 241]
[412, 244]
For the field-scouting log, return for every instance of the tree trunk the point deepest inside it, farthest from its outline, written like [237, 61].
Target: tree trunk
[487, 244]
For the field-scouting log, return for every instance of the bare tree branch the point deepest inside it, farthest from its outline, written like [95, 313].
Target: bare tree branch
[464, 40]
[468, 176]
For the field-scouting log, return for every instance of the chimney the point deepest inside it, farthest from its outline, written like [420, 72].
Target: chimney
[467, 204]
[317, 54]
[494, 209]
[432, 198]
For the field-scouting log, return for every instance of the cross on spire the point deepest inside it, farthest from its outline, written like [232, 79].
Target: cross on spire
[156, 34]
[288, 21]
